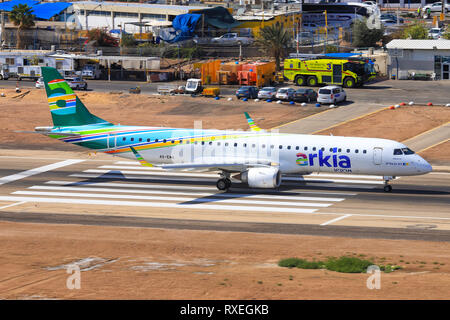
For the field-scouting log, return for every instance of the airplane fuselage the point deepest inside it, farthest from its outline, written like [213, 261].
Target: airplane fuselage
[292, 153]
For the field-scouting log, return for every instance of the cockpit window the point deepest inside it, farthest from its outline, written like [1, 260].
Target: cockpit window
[398, 152]
[407, 151]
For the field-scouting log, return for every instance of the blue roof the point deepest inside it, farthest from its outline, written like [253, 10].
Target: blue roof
[40, 10]
[342, 55]
[8, 5]
[49, 9]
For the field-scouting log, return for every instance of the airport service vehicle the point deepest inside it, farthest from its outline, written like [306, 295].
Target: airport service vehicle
[76, 83]
[331, 94]
[231, 39]
[267, 93]
[286, 94]
[305, 95]
[91, 71]
[435, 33]
[25, 72]
[249, 92]
[258, 158]
[348, 72]
[436, 7]
[40, 83]
[194, 86]
[391, 16]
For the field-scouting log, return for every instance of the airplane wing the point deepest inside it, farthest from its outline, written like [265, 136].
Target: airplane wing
[251, 123]
[229, 164]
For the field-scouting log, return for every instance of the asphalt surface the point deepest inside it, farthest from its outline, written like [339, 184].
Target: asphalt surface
[383, 93]
[117, 193]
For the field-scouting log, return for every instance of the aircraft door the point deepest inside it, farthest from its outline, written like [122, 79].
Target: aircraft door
[111, 141]
[377, 155]
[337, 73]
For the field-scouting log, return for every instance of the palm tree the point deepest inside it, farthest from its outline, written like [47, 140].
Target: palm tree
[22, 18]
[274, 40]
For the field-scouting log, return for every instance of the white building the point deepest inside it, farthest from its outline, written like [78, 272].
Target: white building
[132, 17]
[427, 57]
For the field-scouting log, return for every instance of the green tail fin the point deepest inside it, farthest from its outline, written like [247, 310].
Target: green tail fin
[65, 107]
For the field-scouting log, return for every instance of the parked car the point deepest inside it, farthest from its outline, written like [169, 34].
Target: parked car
[285, 94]
[232, 39]
[249, 92]
[391, 16]
[305, 95]
[331, 94]
[436, 7]
[435, 33]
[40, 83]
[76, 83]
[267, 93]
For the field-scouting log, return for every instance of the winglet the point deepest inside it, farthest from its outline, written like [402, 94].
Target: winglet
[140, 158]
[251, 123]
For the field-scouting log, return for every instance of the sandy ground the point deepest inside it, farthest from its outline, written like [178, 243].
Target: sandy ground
[171, 111]
[438, 154]
[398, 124]
[134, 263]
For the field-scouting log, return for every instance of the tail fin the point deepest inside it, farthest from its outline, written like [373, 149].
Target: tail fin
[65, 107]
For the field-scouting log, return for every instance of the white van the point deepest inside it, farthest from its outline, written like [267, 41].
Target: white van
[331, 94]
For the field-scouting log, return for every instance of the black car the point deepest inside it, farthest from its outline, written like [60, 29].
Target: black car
[305, 95]
[247, 92]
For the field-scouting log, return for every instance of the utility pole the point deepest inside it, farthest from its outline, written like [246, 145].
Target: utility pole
[2, 28]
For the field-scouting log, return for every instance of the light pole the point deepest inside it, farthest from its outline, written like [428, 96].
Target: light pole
[326, 31]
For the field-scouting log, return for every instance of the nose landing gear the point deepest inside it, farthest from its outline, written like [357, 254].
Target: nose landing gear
[387, 187]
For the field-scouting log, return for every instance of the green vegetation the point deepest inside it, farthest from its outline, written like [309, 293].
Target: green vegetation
[274, 41]
[416, 31]
[363, 36]
[101, 38]
[127, 40]
[343, 264]
[22, 17]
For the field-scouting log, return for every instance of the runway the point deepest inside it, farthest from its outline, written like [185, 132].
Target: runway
[115, 192]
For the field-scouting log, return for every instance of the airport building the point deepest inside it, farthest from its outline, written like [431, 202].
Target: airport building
[419, 59]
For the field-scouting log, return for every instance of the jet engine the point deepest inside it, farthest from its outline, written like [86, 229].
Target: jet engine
[263, 177]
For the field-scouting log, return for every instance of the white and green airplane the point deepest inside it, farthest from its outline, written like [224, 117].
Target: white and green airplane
[256, 157]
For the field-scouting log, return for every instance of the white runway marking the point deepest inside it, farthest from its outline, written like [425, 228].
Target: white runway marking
[12, 205]
[332, 180]
[335, 220]
[32, 172]
[190, 188]
[118, 175]
[155, 204]
[94, 188]
[163, 198]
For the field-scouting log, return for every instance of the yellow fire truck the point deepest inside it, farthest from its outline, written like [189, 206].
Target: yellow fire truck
[348, 72]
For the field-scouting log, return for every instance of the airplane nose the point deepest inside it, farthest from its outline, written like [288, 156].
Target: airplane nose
[423, 166]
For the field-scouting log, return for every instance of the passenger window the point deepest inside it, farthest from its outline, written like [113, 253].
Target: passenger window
[148, 140]
[280, 146]
[364, 151]
[272, 146]
[218, 143]
[253, 145]
[203, 143]
[156, 140]
[356, 150]
[226, 144]
[140, 139]
[306, 148]
[132, 139]
[245, 145]
[339, 150]
[297, 147]
[173, 141]
[124, 138]
[289, 147]
[323, 149]
[210, 143]
[348, 150]
[164, 140]
[235, 144]
[263, 146]
[314, 148]
[398, 152]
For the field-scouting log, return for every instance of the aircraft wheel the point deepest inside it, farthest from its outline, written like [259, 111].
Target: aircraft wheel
[223, 184]
[387, 188]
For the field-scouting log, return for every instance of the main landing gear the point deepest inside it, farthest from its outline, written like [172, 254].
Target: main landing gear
[224, 183]
[387, 187]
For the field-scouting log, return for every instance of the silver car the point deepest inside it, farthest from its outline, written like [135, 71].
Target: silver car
[285, 94]
[40, 83]
[267, 93]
